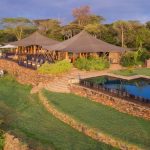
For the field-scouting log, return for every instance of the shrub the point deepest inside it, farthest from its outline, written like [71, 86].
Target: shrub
[56, 68]
[127, 59]
[133, 58]
[91, 63]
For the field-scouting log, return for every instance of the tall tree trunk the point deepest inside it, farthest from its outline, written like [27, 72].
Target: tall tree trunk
[122, 37]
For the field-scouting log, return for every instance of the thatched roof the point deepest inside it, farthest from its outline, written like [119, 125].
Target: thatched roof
[84, 42]
[35, 39]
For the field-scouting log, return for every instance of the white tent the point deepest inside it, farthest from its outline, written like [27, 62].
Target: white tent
[8, 46]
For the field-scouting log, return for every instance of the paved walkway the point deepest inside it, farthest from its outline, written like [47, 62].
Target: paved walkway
[62, 84]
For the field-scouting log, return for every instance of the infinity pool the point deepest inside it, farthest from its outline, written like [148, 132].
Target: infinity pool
[138, 88]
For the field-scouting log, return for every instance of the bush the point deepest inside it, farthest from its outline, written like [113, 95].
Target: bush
[134, 58]
[56, 68]
[91, 63]
[127, 59]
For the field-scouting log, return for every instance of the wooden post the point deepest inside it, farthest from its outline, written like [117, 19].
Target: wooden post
[34, 49]
[86, 55]
[17, 50]
[80, 55]
[73, 58]
[66, 56]
[53, 54]
[58, 55]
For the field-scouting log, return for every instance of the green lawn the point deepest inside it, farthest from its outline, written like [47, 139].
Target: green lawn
[118, 125]
[25, 117]
[130, 72]
[1, 140]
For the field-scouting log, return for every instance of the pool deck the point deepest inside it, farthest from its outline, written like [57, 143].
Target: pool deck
[128, 77]
[105, 73]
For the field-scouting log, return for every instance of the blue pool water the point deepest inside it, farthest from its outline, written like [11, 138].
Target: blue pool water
[138, 87]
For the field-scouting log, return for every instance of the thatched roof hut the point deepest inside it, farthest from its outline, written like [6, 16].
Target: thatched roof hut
[85, 43]
[35, 39]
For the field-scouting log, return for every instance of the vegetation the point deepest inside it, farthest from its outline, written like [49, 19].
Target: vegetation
[1, 140]
[91, 63]
[56, 68]
[1, 136]
[28, 119]
[133, 71]
[134, 58]
[122, 33]
[107, 120]
[16, 26]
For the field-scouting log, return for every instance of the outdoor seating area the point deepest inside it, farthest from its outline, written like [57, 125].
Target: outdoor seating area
[32, 61]
[28, 52]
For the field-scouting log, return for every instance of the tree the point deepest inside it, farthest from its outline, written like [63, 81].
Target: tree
[94, 19]
[121, 27]
[110, 35]
[82, 14]
[95, 29]
[47, 25]
[6, 37]
[148, 24]
[131, 33]
[70, 30]
[16, 25]
[143, 38]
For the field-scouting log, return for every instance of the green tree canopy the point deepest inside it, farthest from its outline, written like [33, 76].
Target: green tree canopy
[16, 26]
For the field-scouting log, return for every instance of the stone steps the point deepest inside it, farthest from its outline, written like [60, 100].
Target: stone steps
[60, 85]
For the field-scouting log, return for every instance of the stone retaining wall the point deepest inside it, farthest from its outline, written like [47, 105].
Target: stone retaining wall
[117, 103]
[91, 132]
[22, 74]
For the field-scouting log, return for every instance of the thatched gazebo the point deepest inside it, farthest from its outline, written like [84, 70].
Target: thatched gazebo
[83, 44]
[31, 47]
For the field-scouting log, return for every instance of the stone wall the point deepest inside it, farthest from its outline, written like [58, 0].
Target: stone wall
[13, 143]
[22, 74]
[117, 103]
[91, 132]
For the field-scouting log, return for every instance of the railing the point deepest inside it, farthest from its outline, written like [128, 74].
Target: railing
[113, 92]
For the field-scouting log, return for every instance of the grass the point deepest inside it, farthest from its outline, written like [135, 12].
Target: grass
[130, 72]
[1, 140]
[25, 117]
[121, 126]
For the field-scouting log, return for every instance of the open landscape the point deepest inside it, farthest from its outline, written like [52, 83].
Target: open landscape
[74, 75]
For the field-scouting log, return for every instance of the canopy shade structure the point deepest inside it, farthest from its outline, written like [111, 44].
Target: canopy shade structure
[8, 46]
[35, 39]
[84, 42]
